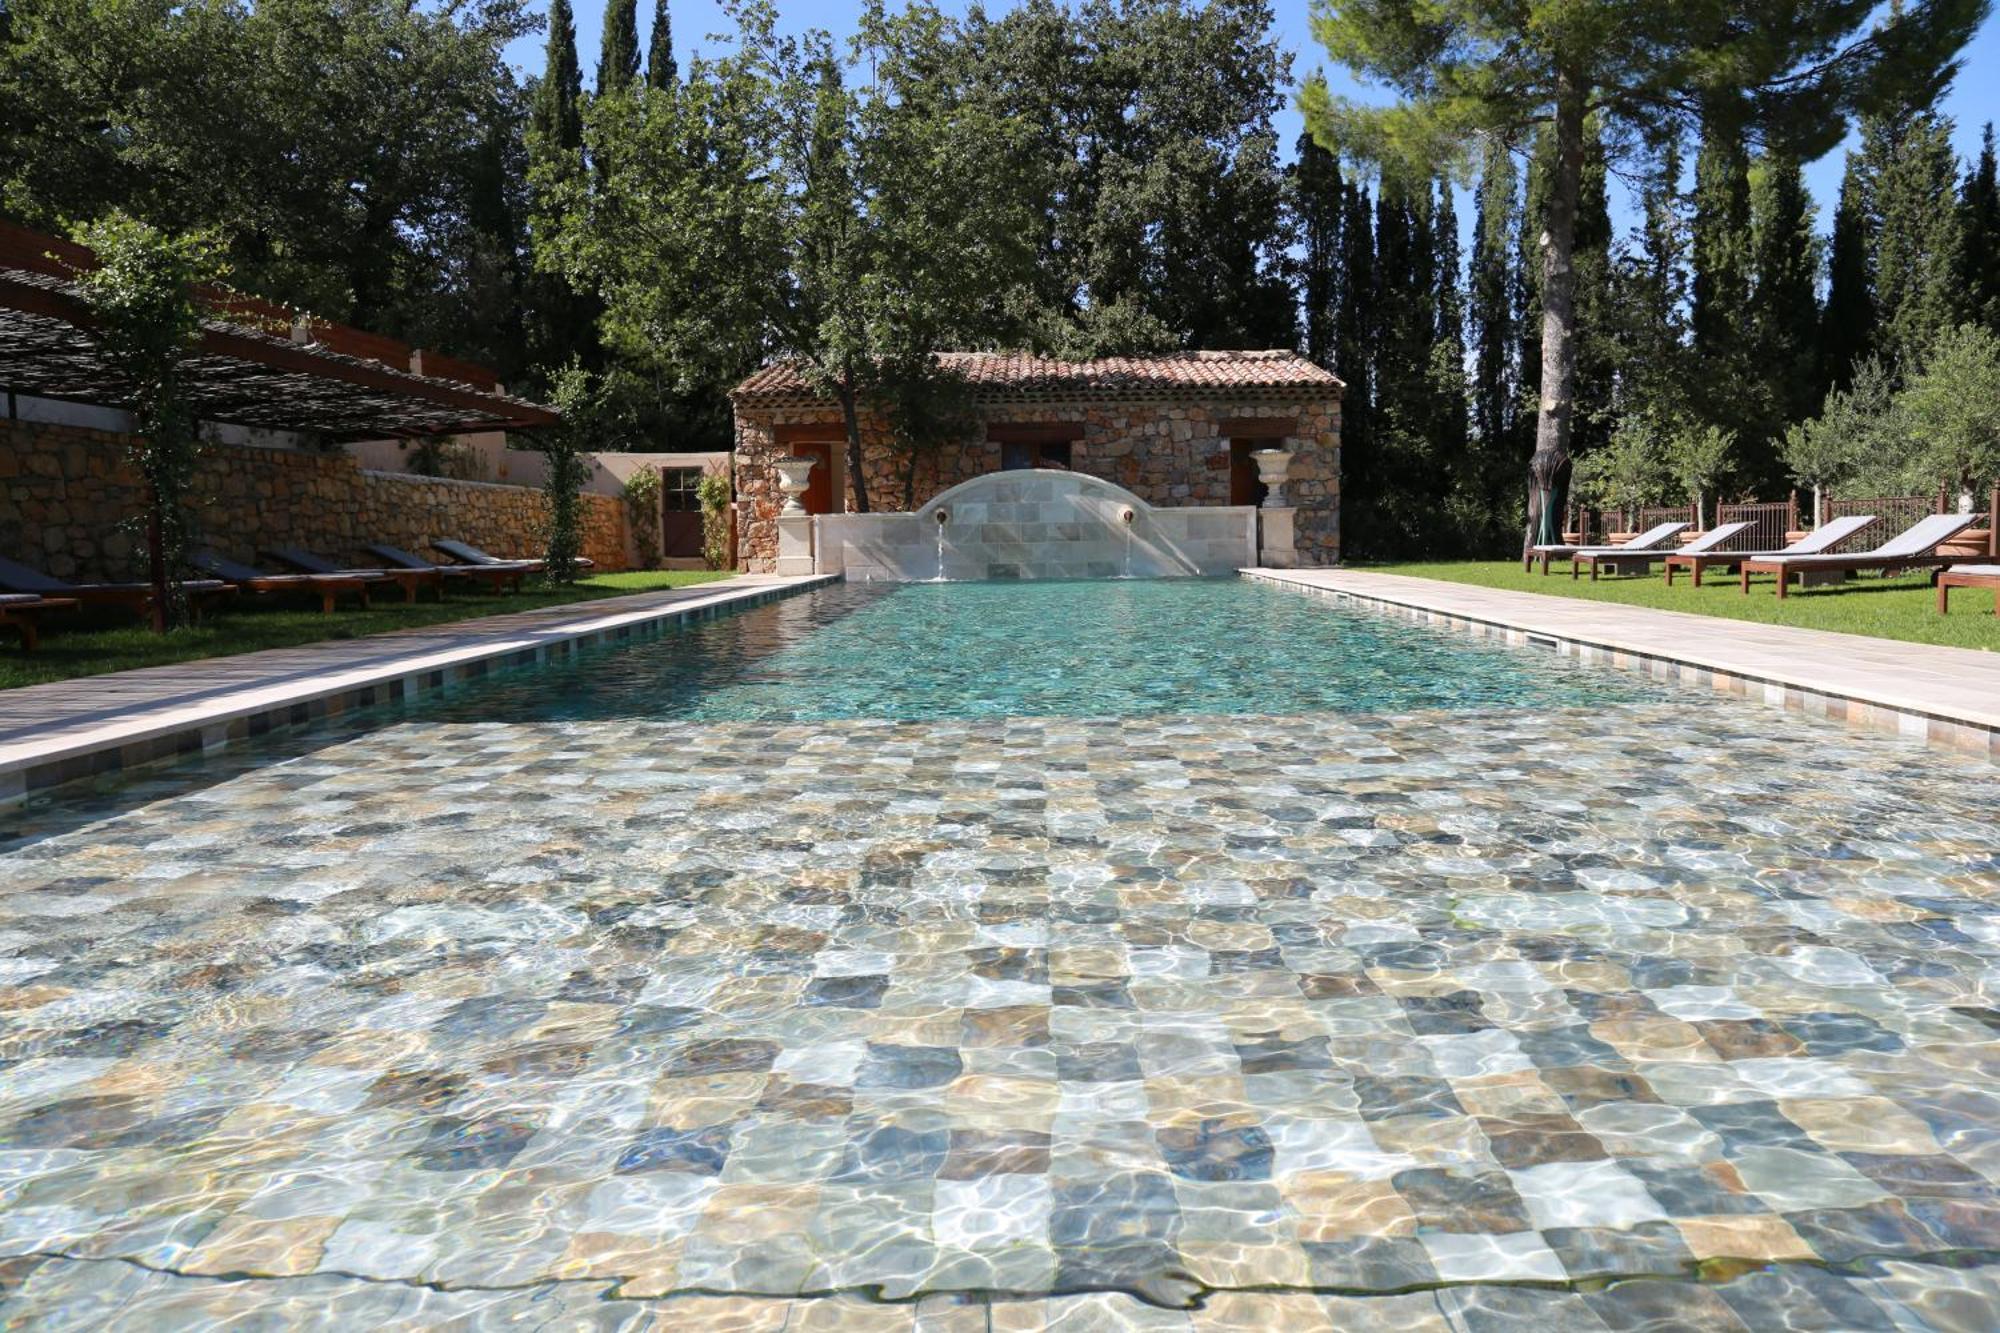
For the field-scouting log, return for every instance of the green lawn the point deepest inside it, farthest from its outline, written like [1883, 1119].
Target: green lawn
[1900, 608]
[96, 641]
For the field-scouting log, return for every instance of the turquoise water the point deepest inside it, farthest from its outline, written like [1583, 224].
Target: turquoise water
[916, 652]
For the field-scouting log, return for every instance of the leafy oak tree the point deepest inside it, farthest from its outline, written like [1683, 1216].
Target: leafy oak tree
[768, 206]
[1470, 69]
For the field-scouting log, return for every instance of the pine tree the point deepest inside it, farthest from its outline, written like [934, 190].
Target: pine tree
[1785, 313]
[661, 71]
[1847, 324]
[1979, 212]
[618, 58]
[1491, 286]
[1527, 286]
[1319, 205]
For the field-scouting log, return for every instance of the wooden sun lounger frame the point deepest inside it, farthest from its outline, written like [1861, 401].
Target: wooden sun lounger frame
[1965, 578]
[1887, 564]
[1626, 551]
[23, 617]
[505, 578]
[1697, 561]
[327, 587]
[1944, 527]
[411, 581]
[463, 553]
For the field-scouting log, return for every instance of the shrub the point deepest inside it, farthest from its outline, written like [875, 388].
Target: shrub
[713, 492]
[642, 505]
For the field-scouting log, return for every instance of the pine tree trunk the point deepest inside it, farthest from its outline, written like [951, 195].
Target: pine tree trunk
[850, 413]
[1548, 469]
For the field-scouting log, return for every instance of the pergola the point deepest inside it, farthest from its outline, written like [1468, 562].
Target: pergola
[258, 364]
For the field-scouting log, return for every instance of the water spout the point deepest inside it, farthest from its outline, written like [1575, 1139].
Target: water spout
[943, 517]
[1125, 517]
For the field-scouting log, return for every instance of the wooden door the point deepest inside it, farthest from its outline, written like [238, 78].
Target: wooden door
[818, 498]
[1244, 488]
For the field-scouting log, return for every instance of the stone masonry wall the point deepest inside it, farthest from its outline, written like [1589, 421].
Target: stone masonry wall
[1168, 453]
[65, 491]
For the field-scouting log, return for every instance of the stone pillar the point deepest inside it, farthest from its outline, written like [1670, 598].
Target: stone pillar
[1275, 547]
[795, 544]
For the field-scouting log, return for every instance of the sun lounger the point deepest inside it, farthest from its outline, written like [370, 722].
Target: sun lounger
[467, 554]
[22, 610]
[1622, 561]
[134, 597]
[1653, 539]
[1817, 542]
[505, 577]
[411, 581]
[326, 587]
[1913, 548]
[1968, 576]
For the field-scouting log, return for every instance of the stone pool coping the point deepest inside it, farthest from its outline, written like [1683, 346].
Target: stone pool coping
[1947, 696]
[67, 731]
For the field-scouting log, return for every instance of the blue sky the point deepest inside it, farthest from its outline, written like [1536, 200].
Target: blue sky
[1973, 101]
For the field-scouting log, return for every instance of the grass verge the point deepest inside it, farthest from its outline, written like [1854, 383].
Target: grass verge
[90, 643]
[1904, 607]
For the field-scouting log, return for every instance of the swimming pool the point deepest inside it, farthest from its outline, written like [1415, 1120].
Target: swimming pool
[1364, 976]
[1115, 648]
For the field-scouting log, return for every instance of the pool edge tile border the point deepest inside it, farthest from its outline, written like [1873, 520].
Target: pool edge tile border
[128, 742]
[1965, 735]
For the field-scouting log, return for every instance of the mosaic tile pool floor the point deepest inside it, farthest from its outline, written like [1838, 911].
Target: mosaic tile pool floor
[1605, 1019]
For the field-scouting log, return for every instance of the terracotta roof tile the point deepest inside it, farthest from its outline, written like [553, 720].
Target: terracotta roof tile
[1171, 374]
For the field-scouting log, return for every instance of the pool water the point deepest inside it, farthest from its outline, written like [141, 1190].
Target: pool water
[1115, 648]
[1522, 996]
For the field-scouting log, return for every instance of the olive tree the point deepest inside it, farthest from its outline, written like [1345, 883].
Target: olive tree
[146, 323]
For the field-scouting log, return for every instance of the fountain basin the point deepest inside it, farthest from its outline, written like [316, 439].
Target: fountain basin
[1037, 525]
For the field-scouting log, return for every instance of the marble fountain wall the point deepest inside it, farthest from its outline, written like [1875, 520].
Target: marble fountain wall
[1037, 525]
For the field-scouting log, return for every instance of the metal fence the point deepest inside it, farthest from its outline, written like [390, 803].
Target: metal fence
[1769, 521]
[1652, 514]
[1892, 512]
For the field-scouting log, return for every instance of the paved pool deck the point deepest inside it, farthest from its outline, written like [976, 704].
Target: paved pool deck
[1949, 696]
[68, 730]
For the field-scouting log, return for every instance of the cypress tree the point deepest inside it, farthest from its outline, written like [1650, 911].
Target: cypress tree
[1721, 238]
[1491, 286]
[1847, 325]
[1785, 314]
[1596, 354]
[1451, 430]
[564, 325]
[661, 71]
[1913, 193]
[1652, 293]
[558, 113]
[618, 57]
[1979, 212]
[1319, 203]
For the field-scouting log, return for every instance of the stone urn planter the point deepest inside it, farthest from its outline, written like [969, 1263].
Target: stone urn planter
[1272, 467]
[794, 475]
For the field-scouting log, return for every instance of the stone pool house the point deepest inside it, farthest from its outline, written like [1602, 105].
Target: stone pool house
[1177, 429]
